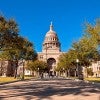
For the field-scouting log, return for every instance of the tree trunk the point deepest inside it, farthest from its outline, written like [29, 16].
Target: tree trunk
[86, 74]
[16, 66]
[75, 73]
[1, 68]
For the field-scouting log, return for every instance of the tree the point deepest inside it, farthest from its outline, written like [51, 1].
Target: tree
[12, 46]
[87, 48]
[9, 37]
[26, 52]
[93, 32]
[66, 62]
[34, 65]
[62, 63]
[37, 65]
[85, 51]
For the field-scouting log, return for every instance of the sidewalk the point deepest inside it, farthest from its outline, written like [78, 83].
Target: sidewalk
[58, 89]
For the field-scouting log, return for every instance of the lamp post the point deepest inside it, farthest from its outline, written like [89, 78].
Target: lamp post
[79, 70]
[77, 67]
[38, 71]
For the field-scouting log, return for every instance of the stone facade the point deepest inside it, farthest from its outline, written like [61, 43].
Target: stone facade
[6, 68]
[96, 68]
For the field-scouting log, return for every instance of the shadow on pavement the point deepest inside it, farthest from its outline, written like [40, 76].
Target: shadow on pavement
[47, 88]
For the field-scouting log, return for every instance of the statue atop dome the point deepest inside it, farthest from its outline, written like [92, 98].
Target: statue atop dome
[51, 26]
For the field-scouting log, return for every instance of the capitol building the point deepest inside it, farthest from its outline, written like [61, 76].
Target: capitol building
[51, 49]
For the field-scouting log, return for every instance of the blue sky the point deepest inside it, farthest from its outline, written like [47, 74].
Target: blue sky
[68, 17]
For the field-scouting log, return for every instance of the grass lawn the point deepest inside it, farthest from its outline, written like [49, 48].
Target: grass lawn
[10, 79]
[93, 79]
[7, 79]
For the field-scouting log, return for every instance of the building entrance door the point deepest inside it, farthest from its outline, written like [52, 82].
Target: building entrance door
[51, 62]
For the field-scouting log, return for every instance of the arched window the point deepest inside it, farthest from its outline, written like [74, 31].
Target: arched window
[41, 56]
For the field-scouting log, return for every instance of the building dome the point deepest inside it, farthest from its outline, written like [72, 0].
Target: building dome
[51, 35]
[51, 39]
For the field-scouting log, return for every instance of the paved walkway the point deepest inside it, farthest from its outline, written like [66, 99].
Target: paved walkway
[61, 89]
